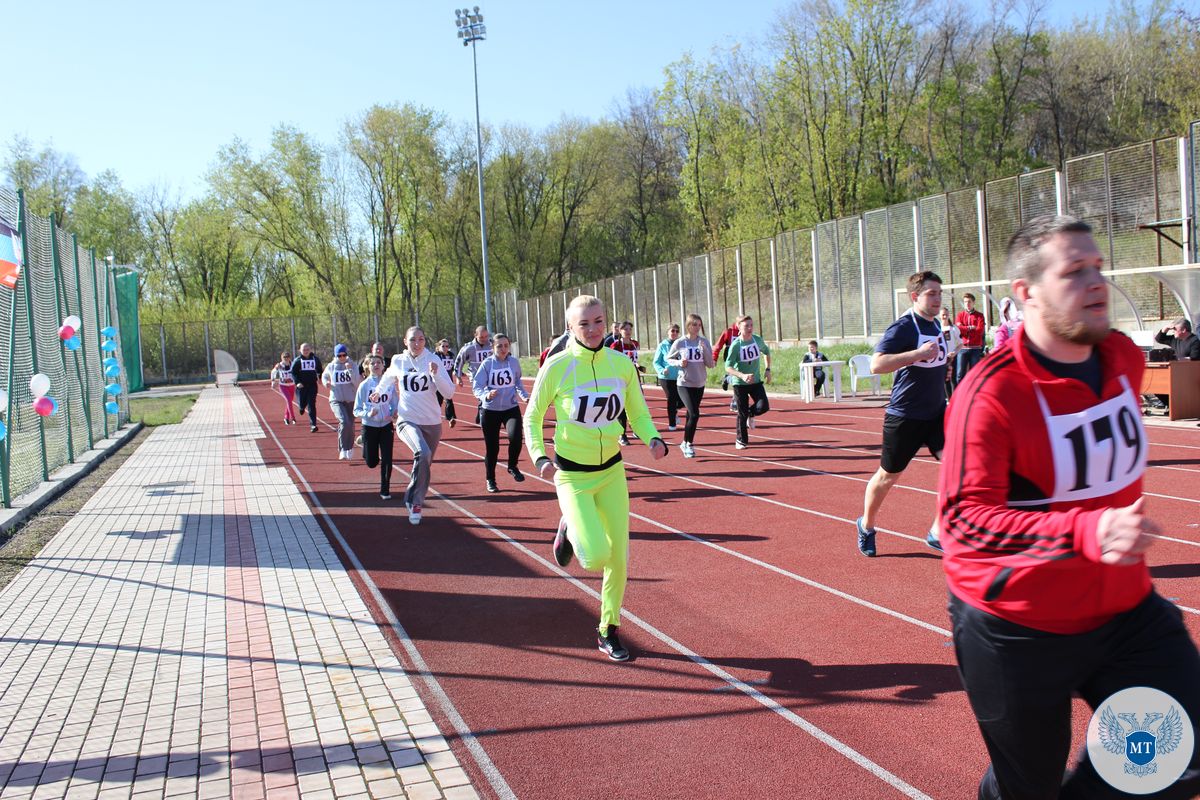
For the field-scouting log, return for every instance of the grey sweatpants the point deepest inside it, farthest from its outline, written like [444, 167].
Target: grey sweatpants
[423, 441]
[345, 415]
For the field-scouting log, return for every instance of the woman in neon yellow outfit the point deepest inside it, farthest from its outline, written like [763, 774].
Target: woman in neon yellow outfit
[589, 385]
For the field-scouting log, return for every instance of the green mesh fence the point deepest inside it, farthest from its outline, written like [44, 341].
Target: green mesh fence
[58, 279]
[820, 277]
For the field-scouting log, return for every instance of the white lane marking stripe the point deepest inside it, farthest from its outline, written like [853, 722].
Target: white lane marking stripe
[489, 769]
[812, 730]
[765, 565]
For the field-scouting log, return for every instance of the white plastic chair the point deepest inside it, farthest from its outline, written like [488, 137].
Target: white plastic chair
[860, 370]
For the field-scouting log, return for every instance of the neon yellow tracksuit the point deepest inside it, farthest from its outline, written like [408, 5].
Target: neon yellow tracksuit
[588, 390]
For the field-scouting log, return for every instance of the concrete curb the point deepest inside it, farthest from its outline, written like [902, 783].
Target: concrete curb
[30, 503]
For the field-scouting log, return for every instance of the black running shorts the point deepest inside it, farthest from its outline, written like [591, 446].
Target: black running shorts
[903, 437]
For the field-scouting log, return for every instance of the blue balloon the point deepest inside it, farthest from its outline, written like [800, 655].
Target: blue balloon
[53, 406]
[111, 362]
[112, 371]
[109, 346]
[111, 407]
[113, 388]
[3, 431]
[73, 343]
[110, 331]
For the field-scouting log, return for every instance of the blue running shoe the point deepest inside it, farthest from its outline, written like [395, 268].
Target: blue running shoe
[866, 539]
[931, 539]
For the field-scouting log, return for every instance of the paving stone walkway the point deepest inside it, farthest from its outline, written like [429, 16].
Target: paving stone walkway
[191, 633]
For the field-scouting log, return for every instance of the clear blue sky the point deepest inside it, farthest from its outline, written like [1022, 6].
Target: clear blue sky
[153, 89]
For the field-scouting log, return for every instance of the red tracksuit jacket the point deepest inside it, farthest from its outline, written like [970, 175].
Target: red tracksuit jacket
[971, 325]
[1031, 462]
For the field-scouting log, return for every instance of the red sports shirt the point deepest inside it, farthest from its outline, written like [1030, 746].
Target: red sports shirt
[1030, 464]
[971, 325]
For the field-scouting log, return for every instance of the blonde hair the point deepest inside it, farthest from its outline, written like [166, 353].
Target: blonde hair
[696, 318]
[581, 302]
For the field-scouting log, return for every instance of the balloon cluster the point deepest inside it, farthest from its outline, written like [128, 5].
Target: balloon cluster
[4, 407]
[43, 404]
[112, 369]
[68, 332]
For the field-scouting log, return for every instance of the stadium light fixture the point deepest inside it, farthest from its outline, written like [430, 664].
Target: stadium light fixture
[471, 30]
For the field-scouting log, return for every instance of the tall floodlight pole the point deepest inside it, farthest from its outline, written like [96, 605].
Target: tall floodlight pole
[471, 30]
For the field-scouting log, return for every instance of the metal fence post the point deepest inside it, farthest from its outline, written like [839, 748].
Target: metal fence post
[775, 293]
[293, 324]
[917, 247]
[250, 336]
[708, 291]
[633, 301]
[457, 322]
[737, 266]
[1060, 193]
[683, 310]
[654, 285]
[375, 318]
[862, 267]
[62, 355]
[208, 352]
[816, 259]
[1185, 206]
[333, 328]
[985, 266]
[23, 233]
[162, 343]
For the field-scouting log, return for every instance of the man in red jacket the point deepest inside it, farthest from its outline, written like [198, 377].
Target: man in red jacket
[971, 325]
[1044, 528]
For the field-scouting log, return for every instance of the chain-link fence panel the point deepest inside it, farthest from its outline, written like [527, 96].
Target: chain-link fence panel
[903, 249]
[722, 271]
[849, 255]
[962, 234]
[1039, 194]
[1002, 202]
[876, 255]
[829, 283]
[935, 239]
[1133, 201]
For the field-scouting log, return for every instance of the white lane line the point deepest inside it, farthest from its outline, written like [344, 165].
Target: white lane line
[482, 759]
[800, 722]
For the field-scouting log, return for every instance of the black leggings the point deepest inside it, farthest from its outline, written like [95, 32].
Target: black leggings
[691, 397]
[307, 396]
[1020, 683]
[671, 389]
[377, 452]
[493, 421]
[751, 402]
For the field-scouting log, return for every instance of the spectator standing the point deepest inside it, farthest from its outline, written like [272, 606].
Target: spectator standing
[971, 326]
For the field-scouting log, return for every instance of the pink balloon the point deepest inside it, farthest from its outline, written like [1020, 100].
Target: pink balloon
[44, 406]
[66, 332]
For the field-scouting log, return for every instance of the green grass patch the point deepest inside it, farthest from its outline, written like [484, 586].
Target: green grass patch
[153, 411]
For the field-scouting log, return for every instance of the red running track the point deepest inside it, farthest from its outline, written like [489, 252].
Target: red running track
[771, 659]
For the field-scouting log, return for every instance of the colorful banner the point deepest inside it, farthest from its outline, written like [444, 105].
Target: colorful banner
[11, 255]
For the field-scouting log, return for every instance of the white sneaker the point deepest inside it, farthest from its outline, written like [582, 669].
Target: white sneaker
[739, 445]
[385, 497]
[414, 514]
[671, 428]
[341, 455]
[750, 422]
[686, 449]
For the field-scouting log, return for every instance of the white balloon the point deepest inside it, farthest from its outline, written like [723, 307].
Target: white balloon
[73, 322]
[39, 384]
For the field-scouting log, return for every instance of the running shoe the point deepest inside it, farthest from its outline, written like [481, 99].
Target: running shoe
[740, 445]
[341, 455]
[671, 428]
[866, 539]
[358, 440]
[933, 541]
[385, 497]
[414, 514]
[452, 422]
[686, 449]
[750, 422]
[623, 440]
[313, 429]
[733, 405]
[492, 487]
[562, 545]
[517, 475]
[610, 645]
